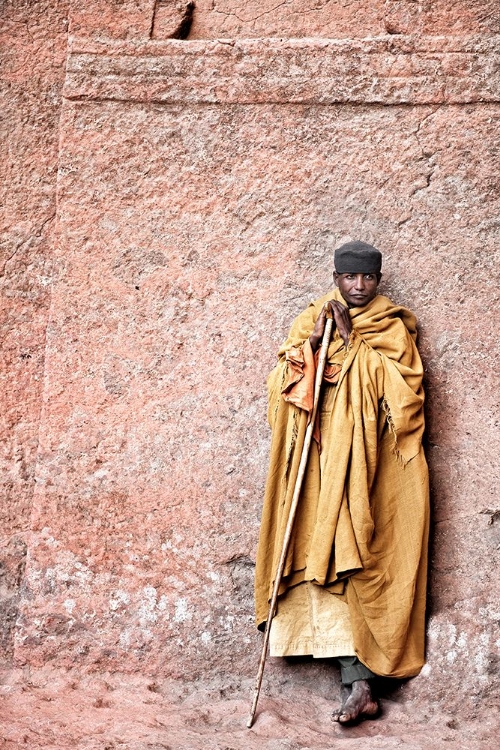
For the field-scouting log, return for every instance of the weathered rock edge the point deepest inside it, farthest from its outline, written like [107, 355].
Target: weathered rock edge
[383, 70]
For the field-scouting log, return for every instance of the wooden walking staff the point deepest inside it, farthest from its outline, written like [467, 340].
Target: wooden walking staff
[293, 507]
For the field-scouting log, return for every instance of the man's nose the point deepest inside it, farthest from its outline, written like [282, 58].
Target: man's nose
[360, 282]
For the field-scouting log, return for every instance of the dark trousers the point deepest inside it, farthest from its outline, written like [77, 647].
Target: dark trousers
[351, 670]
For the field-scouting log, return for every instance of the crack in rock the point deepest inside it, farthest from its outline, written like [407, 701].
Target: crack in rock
[183, 27]
[494, 515]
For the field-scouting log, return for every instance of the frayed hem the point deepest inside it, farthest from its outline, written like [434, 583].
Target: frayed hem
[395, 448]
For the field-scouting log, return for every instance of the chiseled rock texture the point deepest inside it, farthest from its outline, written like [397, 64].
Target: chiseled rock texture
[177, 180]
[34, 46]
[216, 19]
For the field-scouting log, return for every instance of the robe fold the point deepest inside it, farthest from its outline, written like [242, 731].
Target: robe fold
[361, 527]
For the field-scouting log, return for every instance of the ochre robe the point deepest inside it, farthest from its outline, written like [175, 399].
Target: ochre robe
[362, 523]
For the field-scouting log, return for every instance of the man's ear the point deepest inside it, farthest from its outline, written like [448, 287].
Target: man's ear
[336, 278]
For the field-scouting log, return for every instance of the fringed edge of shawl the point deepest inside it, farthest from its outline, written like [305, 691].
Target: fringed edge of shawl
[395, 449]
[278, 400]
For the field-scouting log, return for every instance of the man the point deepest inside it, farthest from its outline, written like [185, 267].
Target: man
[354, 582]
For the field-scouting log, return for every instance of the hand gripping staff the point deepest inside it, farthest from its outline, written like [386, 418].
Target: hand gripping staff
[293, 507]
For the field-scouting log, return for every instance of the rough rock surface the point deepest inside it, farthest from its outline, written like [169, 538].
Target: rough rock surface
[386, 71]
[201, 189]
[33, 43]
[216, 19]
[131, 19]
[140, 712]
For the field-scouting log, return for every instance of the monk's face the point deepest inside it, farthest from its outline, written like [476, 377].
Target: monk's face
[358, 289]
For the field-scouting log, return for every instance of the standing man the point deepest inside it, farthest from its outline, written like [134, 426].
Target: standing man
[354, 583]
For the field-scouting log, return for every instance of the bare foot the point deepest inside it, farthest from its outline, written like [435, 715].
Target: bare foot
[356, 705]
[345, 692]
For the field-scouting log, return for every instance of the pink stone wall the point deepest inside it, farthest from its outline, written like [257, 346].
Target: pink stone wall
[202, 186]
[342, 18]
[33, 41]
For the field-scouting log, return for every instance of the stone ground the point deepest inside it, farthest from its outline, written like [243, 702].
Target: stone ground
[126, 712]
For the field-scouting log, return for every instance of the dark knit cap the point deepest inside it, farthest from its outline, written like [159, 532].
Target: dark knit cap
[357, 257]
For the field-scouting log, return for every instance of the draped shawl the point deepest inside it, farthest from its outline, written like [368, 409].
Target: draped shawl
[362, 524]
